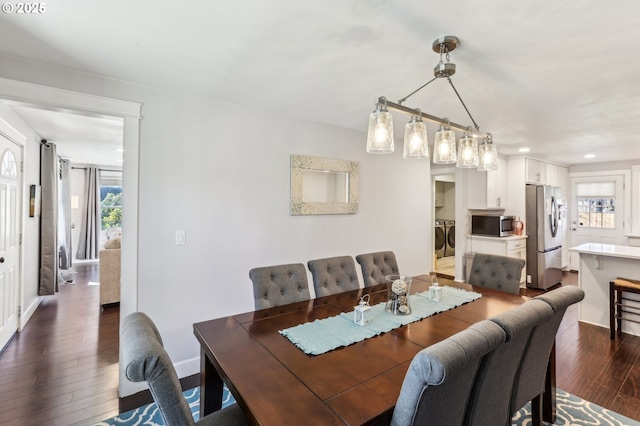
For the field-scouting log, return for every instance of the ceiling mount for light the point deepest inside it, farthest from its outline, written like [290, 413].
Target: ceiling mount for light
[380, 136]
[443, 46]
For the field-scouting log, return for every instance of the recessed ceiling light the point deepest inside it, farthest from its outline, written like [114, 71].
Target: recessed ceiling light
[524, 150]
[589, 156]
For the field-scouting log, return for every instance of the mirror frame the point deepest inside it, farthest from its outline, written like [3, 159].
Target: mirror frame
[300, 163]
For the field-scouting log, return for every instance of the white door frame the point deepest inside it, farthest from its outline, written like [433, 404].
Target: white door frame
[625, 214]
[17, 141]
[85, 104]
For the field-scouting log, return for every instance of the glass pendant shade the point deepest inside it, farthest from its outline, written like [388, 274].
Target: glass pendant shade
[380, 134]
[444, 146]
[488, 156]
[415, 139]
[468, 152]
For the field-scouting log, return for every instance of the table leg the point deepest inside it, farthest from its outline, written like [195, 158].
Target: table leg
[549, 395]
[210, 386]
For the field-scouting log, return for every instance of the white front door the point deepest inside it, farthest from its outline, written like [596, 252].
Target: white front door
[10, 159]
[597, 211]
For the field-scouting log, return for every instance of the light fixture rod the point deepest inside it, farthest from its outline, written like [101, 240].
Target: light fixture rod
[416, 91]
[475, 125]
[411, 111]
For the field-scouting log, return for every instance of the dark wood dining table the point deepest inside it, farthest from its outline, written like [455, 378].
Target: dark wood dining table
[276, 383]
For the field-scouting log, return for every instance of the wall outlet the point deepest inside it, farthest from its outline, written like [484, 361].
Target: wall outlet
[528, 279]
[180, 237]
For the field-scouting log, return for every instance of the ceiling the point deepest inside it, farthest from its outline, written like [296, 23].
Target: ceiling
[80, 138]
[559, 77]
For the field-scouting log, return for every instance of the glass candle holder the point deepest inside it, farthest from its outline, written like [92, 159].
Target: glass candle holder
[398, 290]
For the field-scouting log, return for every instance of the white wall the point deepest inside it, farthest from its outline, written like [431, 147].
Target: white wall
[221, 173]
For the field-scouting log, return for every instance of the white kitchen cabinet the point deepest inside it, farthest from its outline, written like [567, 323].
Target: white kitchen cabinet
[514, 246]
[535, 171]
[551, 174]
[497, 186]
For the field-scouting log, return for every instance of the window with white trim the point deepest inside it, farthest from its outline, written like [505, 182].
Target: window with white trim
[596, 204]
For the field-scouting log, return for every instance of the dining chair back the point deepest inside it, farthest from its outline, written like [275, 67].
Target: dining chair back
[438, 384]
[498, 272]
[376, 265]
[333, 275]
[530, 380]
[145, 360]
[489, 403]
[279, 285]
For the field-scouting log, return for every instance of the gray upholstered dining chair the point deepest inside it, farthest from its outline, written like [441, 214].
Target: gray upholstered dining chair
[489, 403]
[529, 382]
[376, 265]
[437, 386]
[279, 285]
[333, 275]
[498, 272]
[144, 359]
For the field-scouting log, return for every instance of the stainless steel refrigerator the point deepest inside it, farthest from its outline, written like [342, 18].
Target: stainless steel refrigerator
[544, 236]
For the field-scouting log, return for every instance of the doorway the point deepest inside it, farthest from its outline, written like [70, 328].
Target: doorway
[444, 205]
[598, 210]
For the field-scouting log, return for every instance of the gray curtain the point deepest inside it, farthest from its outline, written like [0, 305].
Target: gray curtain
[64, 224]
[49, 175]
[90, 227]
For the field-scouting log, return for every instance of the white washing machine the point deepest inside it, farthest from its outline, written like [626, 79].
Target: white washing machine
[450, 234]
[440, 239]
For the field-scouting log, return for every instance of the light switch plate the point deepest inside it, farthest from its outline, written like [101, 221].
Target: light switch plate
[180, 237]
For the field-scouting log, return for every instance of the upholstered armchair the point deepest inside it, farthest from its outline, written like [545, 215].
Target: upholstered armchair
[333, 275]
[376, 265]
[145, 360]
[490, 402]
[279, 285]
[437, 386]
[498, 272]
[529, 383]
[109, 272]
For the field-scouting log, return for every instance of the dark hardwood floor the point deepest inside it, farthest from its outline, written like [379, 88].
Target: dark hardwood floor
[592, 366]
[63, 368]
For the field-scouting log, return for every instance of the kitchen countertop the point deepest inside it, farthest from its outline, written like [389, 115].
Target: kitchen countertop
[509, 238]
[628, 252]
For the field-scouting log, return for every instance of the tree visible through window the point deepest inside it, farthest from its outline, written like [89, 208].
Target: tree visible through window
[111, 206]
[596, 212]
[110, 199]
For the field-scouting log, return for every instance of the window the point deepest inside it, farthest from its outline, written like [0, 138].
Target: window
[8, 167]
[596, 204]
[110, 199]
[596, 212]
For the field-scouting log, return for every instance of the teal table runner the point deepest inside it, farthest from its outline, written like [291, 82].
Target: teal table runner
[324, 335]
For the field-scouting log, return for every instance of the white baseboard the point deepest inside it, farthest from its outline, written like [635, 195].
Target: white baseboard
[28, 311]
[188, 367]
[183, 368]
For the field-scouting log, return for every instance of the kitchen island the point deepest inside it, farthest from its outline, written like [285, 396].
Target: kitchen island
[600, 264]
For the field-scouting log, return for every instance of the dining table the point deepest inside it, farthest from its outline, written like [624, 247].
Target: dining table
[276, 383]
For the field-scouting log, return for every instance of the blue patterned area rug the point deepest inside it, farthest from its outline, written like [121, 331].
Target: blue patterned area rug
[571, 411]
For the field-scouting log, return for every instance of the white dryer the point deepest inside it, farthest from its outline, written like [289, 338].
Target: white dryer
[440, 239]
[450, 232]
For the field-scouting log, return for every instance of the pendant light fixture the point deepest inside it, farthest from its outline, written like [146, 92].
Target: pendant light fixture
[444, 145]
[488, 155]
[468, 151]
[416, 144]
[467, 155]
[380, 135]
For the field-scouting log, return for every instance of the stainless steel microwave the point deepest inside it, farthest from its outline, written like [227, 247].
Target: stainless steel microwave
[494, 226]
